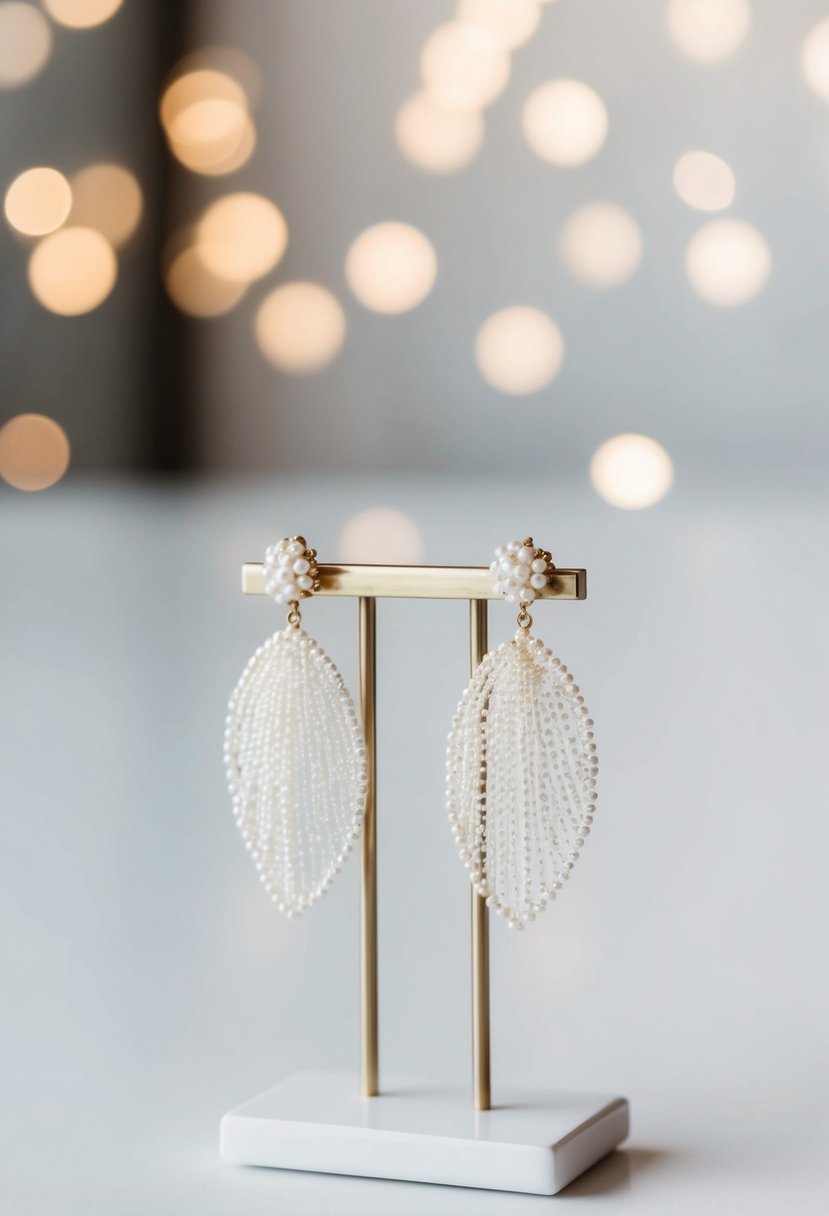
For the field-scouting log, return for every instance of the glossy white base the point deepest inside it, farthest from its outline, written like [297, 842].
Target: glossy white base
[533, 1141]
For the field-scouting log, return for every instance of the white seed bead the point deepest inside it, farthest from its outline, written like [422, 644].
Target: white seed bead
[294, 750]
[518, 725]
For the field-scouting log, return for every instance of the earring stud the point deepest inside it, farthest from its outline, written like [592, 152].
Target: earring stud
[294, 752]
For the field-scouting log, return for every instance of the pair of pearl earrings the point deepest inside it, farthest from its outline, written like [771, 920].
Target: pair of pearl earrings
[521, 761]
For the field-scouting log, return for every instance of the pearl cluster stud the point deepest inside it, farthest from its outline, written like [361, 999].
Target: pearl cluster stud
[521, 571]
[291, 570]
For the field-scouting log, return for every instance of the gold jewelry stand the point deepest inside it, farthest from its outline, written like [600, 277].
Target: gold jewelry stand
[409, 1129]
[368, 584]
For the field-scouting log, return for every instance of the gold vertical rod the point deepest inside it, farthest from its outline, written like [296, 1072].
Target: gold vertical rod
[368, 880]
[480, 917]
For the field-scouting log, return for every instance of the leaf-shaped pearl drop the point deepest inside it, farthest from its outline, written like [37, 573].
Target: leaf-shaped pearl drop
[521, 777]
[296, 768]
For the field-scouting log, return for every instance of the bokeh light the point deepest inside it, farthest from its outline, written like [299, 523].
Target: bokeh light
[72, 271]
[631, 471]
[38, 201]
[565, 122]
[728, 262]
[814, 59]
[108, 198]
[464, 66]
[300, 328]
[519, 350]
[195, 290]
[391, 267]
[81, 14]
[229, 61]
[601, 245]
[34, 452]
[242, 237]
[205, 115]
[511, 22]
[381, 536]
[708, 30]
[25, 44]
[436, 137]
[704, 181]
[237, 152]
[221, 154]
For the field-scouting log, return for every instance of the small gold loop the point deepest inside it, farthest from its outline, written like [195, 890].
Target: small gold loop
[294, 616]
[525, 621]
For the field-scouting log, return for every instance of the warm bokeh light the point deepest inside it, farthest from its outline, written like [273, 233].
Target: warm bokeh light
[211, 121]
[81, 14]
[38, 201]
[601, 245]
[565, 122]
[708, 30]
[704, 181]
[814, 58]
[217, 154]
[205, 116]
[224, 156]
[519, 350]
[436, 137]
[25, 44]
[300, 328]
[192, 88]
[631, 471]
[464, 66]
[512, 22]
[229, 61]
[391, 267]
[72, 271]
[107, 198]
[242, 237]
[727, 262]
[34, 452]
[195, 290]
[381, 537]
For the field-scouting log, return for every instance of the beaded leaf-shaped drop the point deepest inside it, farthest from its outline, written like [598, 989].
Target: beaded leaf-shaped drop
[521, 777]
[296, 768]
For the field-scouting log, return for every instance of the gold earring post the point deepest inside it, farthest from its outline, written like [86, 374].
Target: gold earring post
[480, 913]
[368, 879]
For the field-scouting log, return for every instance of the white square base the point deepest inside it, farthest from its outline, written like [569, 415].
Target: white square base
[532, 1141]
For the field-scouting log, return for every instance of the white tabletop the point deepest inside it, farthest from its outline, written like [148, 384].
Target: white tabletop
[148, 984]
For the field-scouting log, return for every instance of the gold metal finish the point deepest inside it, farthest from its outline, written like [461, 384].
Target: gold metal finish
[368, 879]
[480, 913]
[419, 582]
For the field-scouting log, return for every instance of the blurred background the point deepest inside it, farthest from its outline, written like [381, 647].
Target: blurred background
[411, 278]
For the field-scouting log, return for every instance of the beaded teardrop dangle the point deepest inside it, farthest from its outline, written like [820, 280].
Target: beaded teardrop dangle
[294, 752]
[521, 761]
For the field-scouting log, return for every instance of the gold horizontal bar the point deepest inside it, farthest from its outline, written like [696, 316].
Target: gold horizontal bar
[418, 582]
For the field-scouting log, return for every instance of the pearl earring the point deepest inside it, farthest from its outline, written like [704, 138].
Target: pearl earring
[294, 754]
[521, 761]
